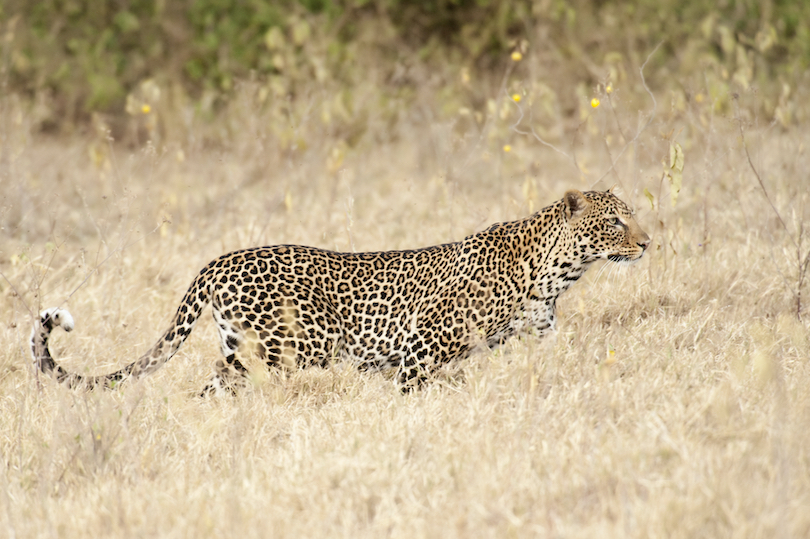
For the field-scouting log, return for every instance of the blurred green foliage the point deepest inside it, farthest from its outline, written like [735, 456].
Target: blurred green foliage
[87, 56]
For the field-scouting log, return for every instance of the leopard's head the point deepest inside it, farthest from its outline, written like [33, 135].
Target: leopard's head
[603, 227]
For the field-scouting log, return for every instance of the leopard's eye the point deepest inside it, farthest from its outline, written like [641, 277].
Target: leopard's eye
[615, 221]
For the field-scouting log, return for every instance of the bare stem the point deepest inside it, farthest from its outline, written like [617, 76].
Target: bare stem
[649, 120]
[533, 132]
[801, 265]
[120, 249]
[756, 172]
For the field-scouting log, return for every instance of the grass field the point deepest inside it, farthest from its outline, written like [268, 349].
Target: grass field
[672, 403]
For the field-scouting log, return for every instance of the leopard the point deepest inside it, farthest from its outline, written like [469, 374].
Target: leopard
[292, 306]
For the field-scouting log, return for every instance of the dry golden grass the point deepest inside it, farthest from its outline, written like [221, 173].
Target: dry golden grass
[672, 403]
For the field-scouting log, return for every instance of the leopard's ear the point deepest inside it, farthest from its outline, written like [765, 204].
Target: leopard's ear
[612, 189]
[575, 204]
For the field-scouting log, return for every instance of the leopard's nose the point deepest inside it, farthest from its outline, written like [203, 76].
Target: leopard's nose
[644, 241]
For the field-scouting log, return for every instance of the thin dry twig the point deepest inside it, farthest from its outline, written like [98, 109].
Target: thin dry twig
[616, 117]
[488, 123]
[17, 292]
[801, 265]
[116, 250]
[649, 120]
[534, 133]
[754, 169]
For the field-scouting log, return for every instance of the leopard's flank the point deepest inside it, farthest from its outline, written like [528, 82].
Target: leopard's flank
[414, 310]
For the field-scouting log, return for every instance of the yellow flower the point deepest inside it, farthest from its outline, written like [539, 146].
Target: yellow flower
[516, 98]
[507, 148]
[609, 88]
[146, 109]
[516, 56]
[594, 102]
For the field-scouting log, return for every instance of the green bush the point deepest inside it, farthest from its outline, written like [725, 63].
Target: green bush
[89, 56]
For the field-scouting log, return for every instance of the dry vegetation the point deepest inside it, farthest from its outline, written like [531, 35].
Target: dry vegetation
[673, 402]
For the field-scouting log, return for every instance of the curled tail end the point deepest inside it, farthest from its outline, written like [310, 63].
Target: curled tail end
[48, 320]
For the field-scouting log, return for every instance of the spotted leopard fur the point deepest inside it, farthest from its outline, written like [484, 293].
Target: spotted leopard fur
[412, 310]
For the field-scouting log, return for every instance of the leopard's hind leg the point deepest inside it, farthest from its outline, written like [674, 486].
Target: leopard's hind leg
[230, 373]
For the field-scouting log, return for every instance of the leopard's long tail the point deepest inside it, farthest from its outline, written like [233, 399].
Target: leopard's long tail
[196, 299]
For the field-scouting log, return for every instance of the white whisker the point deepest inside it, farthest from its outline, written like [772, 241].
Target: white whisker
[601, 271]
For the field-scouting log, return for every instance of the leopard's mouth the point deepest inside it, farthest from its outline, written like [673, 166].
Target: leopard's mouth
[625, 259]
